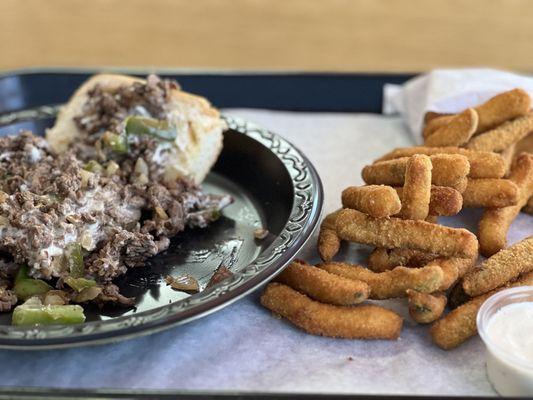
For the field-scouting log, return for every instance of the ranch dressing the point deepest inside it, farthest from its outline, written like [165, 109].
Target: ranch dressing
[510, 362]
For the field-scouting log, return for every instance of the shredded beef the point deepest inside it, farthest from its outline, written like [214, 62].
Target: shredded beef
[7, 299]
[48, 202]
[105, 111]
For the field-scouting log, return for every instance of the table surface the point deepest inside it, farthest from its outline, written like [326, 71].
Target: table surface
[242, 347]
[337, 35]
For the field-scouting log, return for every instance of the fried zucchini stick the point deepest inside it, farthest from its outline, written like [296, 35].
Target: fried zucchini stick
[435, 124]
[376, 200]
[490, 193]
[502, 107]
[457, 132]
[460, 324]
[425, 308]
[528, 208]
[361, 322]
[452, 268]
[323, 286]
[417, 188]
[329, 242]
[508, 157]
[503, 136]
[381, 259]
[495, 222]
[503, 266]
[393, 283]
[448, 170]
[483, 164]
[443, 201]
[393, 232]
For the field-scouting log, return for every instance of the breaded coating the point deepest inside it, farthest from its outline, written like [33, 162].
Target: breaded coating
[417, 188]
[503, 266]
[323, 286]
[381, 259]
[361, 322]
[328, 240]
[425, 308]
[495, 222]
[448, 170]
[508, 156]
[431, 115]
[435, 124]
[434, 219]
[393, 283]
[393, 232]
[483, 164]
[457, 132]
[443, 201]
[528, 208]
[503, 136]
[376, 200]
[502, 107]
[490, 193]
[460, 324]
[452, 269]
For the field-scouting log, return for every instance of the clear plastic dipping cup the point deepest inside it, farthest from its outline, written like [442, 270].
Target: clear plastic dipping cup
[509, 349]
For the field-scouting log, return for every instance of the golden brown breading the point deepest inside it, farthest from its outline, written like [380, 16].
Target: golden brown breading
[435, 124]
[359, 322]
[452, 268]
[393, 283]
[490, 193]
[483, 164]
[328, 240]
[323, 286]
[503, 136]
[457, 132]
[503, 266]
[381, 259]
[448, 170]
[495, 222]
[502, 107]
[375, 200]
[508, 156]
[425, 308]
[460, 324]
[393, 232]
[443, 201]
[528, 208]
[417, 188]
[431, 115]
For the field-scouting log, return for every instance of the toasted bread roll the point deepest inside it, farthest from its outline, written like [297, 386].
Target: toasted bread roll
[198, 126]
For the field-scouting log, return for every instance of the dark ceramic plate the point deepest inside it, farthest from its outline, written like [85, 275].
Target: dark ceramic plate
[274, 187]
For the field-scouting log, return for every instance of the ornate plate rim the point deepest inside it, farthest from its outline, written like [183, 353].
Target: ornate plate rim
[302, 221]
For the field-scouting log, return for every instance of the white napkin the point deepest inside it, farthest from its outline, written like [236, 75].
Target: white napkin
[447, 91]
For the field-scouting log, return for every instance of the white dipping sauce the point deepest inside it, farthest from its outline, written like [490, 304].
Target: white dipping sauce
[511, 330]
